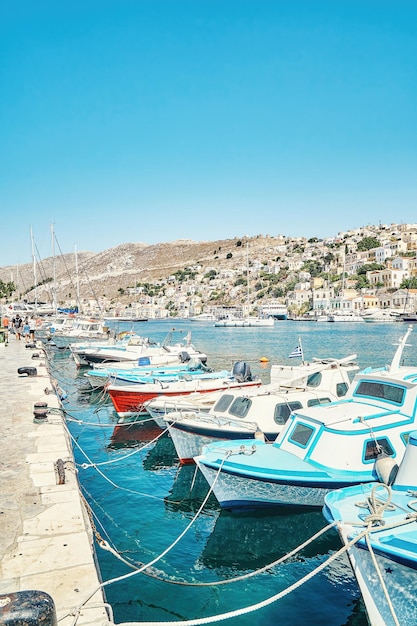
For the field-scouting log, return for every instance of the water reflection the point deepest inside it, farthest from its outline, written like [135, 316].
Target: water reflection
[249, 541]
[188, 491]
[130, 434]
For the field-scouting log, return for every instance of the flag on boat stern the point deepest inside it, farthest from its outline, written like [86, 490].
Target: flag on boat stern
[297, 352]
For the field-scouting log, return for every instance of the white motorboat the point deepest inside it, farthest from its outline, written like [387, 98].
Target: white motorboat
[138, 350]
[244, 322]
[203, 317]
[321, 448]
[260, 412]
[380, 315]
[345, 317]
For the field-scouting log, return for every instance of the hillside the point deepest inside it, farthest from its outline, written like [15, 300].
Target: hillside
[106, 273]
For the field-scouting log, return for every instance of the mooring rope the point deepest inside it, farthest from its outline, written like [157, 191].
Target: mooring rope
[153, 561]
[116, 486]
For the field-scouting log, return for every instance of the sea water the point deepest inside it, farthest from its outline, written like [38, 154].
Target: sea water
[146, 509]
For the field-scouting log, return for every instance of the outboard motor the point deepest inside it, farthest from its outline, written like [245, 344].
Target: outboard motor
[184, 357]
[241, 371]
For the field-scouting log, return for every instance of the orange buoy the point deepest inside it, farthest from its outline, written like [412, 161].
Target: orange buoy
[264, 359]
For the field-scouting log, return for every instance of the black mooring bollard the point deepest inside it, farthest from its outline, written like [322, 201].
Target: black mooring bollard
[30, 608]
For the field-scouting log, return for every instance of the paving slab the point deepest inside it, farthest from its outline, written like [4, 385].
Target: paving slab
[46, 541]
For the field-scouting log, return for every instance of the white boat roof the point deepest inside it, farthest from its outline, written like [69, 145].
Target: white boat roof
[345, 411]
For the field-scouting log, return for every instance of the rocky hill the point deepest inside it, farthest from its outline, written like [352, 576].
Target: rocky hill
[106, 273]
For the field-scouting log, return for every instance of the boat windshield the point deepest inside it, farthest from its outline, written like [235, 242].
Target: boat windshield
[223, 403]
[380, 391]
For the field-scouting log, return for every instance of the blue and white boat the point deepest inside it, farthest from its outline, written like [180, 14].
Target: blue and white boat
[377, 523]
[322, 448]
[98, 378]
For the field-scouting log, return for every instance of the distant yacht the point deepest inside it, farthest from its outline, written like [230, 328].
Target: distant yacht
[203, 317]
[231, 321]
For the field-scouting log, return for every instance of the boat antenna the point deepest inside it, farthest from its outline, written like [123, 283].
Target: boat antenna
[395, 363]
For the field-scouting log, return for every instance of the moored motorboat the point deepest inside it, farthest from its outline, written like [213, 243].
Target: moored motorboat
[321, 448]
[141, 375]
[377, 522]
[351, 316]
[77, 329]
[203, 317]
[159, 407]
[138, 350]
[260, 412]
[130, 400]
[380, 315]
[244, 322]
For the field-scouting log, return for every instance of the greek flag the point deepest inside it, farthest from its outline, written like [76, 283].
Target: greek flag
[297, 352]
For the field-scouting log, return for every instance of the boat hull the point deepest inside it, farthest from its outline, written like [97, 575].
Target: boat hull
[189, 440]
[128, 401]
[244, 492]
[389, 551]
[400, 580]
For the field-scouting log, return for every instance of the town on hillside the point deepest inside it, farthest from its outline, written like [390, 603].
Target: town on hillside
[361, 272]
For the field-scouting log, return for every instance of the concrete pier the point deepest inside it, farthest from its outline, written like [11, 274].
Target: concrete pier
[45, 535]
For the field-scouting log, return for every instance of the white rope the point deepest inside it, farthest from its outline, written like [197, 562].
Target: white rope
[93, 465]
[229, 581]
[377, 508]
[381, 580]
[152, 562]
[126, 456]
[254, 607]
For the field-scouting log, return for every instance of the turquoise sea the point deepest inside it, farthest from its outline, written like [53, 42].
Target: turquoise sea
[149, 510]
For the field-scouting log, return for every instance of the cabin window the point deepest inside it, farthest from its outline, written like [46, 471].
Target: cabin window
[317, 401]
[284, 410]
[314, 380]
[341, 389]
[381, 391]
[375, 448]
[223, 402]
[301, 435]
[240, 407]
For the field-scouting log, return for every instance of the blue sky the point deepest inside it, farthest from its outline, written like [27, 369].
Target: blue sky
[156, 120]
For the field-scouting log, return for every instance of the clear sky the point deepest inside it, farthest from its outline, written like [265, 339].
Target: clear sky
[156, 120]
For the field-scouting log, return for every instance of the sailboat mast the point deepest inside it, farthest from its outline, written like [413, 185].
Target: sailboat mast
[54, 302]
[77, 278]
[34, 269]
[247, 276]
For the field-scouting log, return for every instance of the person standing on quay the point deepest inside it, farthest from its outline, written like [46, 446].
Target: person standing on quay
[5, 324]
[17, 324]
[32, 327]
[26, 331]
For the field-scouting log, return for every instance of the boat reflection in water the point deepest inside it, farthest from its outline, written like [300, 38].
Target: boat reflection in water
[188, 491]
[129, 434]
[159, 455]
[250, 541]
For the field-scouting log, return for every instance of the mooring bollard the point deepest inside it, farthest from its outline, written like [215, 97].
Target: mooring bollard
[29, 371]
[30, 608]
[40, 412]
